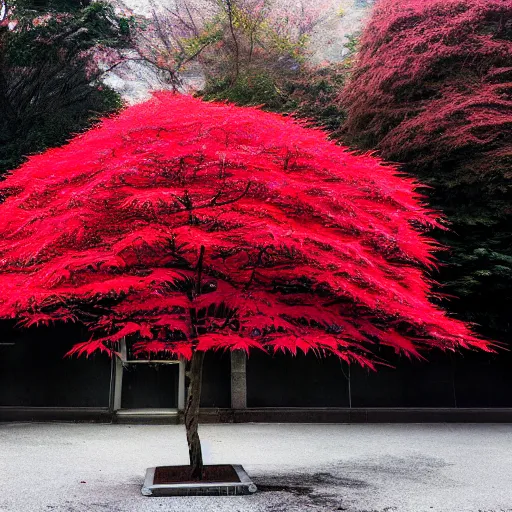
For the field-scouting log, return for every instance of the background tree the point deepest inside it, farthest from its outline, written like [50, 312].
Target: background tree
[249, 52]
[198, 226]
[50, 53]
[432, 88]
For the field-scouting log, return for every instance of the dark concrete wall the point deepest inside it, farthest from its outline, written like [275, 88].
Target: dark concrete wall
[35, 373]
[216, 390]
[468, 379]
[301, 381]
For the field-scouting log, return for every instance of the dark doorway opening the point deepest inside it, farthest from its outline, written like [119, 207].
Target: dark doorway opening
[150, 386]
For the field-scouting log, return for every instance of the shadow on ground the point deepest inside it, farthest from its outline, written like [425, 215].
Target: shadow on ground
[334, 489]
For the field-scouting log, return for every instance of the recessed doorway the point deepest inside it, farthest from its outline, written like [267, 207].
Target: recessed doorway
[147, 387]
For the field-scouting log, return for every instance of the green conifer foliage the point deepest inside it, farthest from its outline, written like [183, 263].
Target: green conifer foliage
[49, 86]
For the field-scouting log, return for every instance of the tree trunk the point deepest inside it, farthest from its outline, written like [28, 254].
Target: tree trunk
[194, 373]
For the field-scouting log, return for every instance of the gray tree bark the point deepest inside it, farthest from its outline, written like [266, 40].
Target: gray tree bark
[195, 374]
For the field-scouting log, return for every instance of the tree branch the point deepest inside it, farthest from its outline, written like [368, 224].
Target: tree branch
[199, 268]
[235, 40]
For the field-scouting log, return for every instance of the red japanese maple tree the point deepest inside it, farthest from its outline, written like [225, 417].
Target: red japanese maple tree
[201, 226]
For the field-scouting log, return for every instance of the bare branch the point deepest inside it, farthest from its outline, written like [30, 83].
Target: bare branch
[235, 40]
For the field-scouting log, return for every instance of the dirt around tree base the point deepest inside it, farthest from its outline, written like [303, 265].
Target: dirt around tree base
[181, 475]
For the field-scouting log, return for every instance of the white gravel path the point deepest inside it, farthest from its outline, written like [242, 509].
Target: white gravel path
[357, 468]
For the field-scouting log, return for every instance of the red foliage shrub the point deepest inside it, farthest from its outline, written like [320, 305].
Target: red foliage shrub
[432, 89]
[200, 225]
[432, 85]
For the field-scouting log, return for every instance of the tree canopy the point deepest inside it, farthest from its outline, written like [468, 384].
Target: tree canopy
[196, 225]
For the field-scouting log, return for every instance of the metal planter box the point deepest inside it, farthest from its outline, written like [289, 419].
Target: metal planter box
[204, 488]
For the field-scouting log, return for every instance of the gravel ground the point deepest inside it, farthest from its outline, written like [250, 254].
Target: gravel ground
[356, 468]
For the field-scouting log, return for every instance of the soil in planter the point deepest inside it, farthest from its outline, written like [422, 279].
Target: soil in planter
[181, 475]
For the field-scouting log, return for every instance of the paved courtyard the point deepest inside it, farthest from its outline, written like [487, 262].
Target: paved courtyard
[356, 468]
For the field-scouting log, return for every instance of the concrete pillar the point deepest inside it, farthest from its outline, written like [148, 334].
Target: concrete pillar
[181, 385]
[118, 383]
[238, 380]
